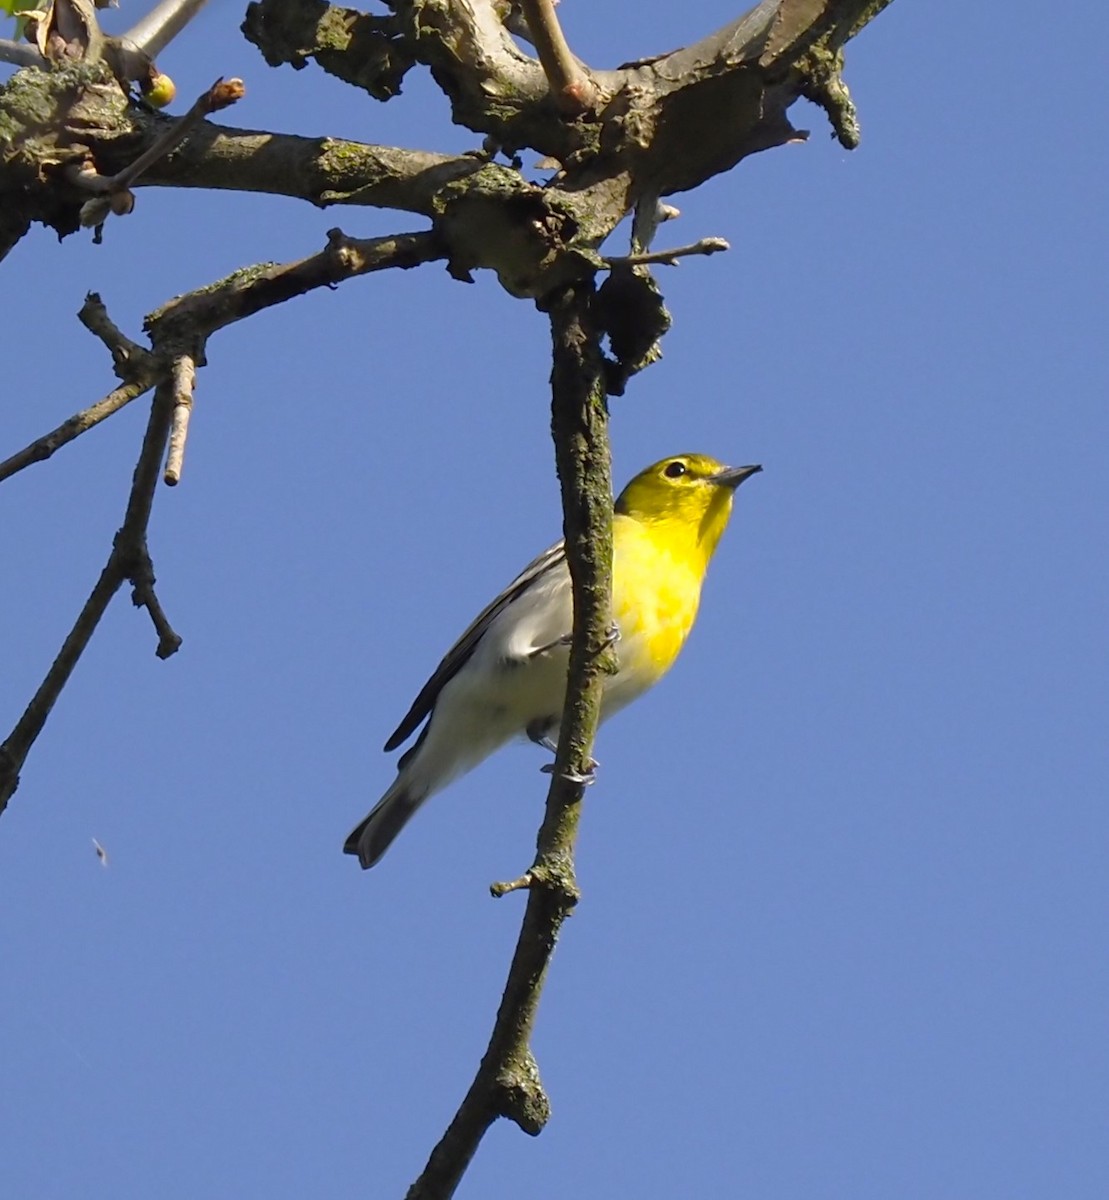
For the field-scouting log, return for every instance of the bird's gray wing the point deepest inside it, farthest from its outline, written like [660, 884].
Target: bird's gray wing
[457, 656]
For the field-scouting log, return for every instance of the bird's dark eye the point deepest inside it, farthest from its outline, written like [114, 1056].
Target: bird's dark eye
[674, 469]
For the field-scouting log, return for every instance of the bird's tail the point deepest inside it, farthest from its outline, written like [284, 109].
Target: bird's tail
[373, 836]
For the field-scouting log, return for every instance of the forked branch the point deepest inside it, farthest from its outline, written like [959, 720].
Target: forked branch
[178, 333]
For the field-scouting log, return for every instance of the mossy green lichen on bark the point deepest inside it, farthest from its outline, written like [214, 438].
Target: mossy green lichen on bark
[46, 120]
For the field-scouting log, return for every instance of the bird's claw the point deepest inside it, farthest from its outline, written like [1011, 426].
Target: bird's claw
[574, 776]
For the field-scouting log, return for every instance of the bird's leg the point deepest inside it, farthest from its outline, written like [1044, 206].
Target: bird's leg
[612, 636]
[540, 733]
[557, 644]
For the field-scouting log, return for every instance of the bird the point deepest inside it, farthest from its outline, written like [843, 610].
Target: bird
[506, 675]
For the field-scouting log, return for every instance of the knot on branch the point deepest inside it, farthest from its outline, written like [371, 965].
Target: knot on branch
[520, 1095]
[47, 118]
[822, 83]
[498, 221]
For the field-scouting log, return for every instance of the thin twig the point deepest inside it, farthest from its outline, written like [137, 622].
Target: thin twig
[130, 547]
[650, 213]
[220, 95]
[668, 257]
[134, 364]
[126, 354]
[497, 890]
[14, 750]
[42, 448]
[20, 54]
[128, 557]
[573, 90]
[144, 596]
[184, 381]
[154, 32]
[507, 1083]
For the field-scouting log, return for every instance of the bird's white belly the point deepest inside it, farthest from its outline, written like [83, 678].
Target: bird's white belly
[516, 676]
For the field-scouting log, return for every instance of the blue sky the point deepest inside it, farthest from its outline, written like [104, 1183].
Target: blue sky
[844, 931]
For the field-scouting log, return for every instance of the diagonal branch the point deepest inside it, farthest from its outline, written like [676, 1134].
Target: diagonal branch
[154, 32]
[21, 54]
[128, 558]
[571, 87]
[507, 1083]
[42, 448]
[196, 315]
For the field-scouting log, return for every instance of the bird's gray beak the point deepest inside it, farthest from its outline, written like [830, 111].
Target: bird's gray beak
[732, 477]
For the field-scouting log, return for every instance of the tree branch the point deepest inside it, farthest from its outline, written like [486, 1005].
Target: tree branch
[128, 559]
[42, 448]
[363, 50]
[507, 1083]
[20, 54]
[178, 333]
[571, 87]
[323, 171]
[154, 32]
[184, 381]
[668, 258]
[193, 317]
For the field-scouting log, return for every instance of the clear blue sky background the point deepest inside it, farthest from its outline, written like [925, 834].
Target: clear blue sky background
[844, 933]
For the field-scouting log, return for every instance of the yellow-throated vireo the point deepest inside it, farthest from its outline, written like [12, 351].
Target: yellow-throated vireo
[506, 675]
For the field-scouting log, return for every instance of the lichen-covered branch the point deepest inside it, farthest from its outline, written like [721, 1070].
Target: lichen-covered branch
[192, 318]
[651, 128]
[363, 50]
[507, 1083]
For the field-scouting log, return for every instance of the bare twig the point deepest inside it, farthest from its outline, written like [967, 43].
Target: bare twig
[20, 54]
[14, 750]
[144, 596]
[650, 213]
[496, 890]
[126, 354]
[112, 193]
[184, 381]
[222, 94]
[507, 1082]
[42, 448]
[127, 560]
[134, 364]
[154, 32]
[668, 257]
[573, 90]
[130, 549]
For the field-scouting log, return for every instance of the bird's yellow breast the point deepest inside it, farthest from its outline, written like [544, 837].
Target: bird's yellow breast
[656, 590]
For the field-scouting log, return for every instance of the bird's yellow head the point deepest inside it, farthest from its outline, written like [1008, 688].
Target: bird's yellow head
[687, 498]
